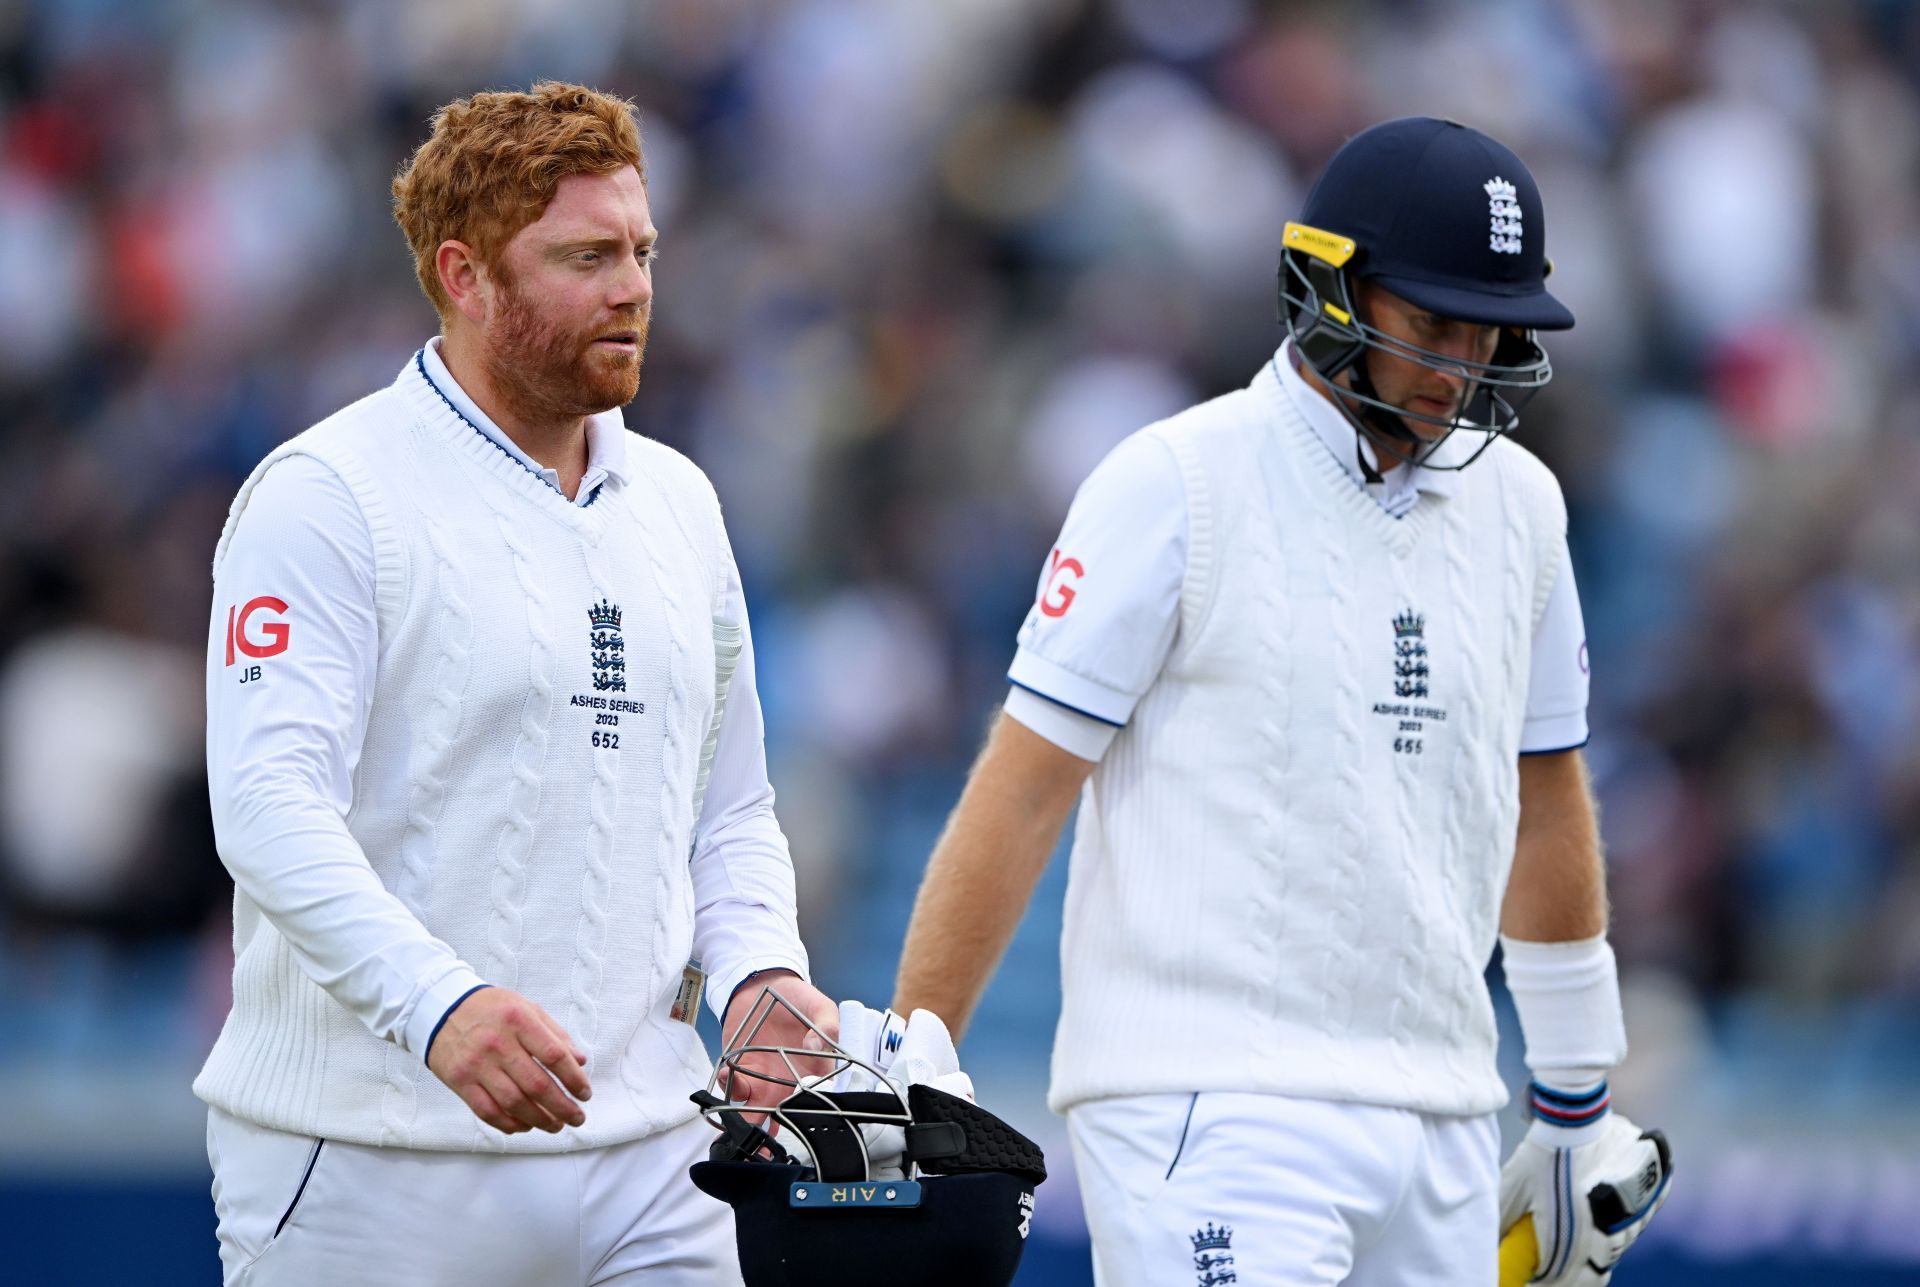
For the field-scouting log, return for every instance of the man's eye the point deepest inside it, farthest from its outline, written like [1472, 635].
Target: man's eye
[648, 255]
[588, 256]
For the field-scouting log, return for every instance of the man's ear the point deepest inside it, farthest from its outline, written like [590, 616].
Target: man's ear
[464, 279]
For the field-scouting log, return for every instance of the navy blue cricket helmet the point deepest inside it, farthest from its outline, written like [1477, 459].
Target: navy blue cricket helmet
[1449, 219]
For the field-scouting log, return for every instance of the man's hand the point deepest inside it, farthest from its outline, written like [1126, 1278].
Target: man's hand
[1588, 1203]
[772, 1079]
[513, 1065]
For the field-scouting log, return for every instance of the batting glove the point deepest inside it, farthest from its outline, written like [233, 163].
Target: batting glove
[1590, 1186]
[918, 1051]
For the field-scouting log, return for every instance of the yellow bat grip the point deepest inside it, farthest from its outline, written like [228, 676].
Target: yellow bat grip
[1519, 1254]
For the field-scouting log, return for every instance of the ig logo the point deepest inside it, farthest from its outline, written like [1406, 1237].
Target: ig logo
[1057, 595]
[269, 640]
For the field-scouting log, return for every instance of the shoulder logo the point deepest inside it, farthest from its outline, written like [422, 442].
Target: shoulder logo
[609, 649]
[272, 637]
[1503, 209]
[1057, 592]
[1212, 1253]
[1409, 655]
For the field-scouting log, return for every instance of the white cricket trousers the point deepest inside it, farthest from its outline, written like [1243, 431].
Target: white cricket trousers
[296, 1210]
[1274, 1191]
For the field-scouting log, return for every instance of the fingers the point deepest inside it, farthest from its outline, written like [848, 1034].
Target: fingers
[541, 1073]
[521, 1102]
[761, 1080]
[512, 1064]
[559, 1056]
[538, 1085]
[487, 1110]
[519, 1097]
[821, 1011]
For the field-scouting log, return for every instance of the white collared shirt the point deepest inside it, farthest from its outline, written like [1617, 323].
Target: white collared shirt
[1077, 675]
[606, 433]
[1395, 491]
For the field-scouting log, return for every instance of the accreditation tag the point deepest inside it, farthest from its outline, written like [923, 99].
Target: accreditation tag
[686, 1002]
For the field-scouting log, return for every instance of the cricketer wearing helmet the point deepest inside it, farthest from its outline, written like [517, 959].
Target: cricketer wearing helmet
[1310, 658]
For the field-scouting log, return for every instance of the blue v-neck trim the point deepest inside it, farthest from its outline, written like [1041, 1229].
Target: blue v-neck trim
[420, 361]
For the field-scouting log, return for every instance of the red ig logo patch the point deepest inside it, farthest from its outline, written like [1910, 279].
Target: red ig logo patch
[273, 634]
[1058, 593]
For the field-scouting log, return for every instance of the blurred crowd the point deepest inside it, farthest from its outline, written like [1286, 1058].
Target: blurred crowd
[923, 265]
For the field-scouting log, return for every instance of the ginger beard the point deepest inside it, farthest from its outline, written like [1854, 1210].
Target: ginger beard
[548, 371]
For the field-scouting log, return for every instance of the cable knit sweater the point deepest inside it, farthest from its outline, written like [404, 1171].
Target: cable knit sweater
[491, 797]
[1288, 867]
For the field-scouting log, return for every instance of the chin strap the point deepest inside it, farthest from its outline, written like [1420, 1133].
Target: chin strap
[740, 1140]
[1365, 417]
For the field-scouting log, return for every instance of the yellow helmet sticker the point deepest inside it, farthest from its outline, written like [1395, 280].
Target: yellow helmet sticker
[1336, 250]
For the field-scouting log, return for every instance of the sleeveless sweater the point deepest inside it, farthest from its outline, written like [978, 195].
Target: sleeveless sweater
[1288, 867]
[484, 797]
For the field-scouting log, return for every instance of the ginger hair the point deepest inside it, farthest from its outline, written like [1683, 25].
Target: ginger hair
[492, 163]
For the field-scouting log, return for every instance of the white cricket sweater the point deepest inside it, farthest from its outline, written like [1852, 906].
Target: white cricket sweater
[1288, 866]
[516, 633]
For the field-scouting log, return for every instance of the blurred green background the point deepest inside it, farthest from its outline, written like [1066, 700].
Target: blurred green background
[923, 265]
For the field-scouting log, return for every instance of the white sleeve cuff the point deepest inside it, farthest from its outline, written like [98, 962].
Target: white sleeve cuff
[720, 988]
[1076, 692]
[433, 1006]
[1542, 734]
[1072, 732]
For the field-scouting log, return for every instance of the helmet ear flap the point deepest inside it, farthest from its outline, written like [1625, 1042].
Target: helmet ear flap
[1517, 347]
[1317, 307]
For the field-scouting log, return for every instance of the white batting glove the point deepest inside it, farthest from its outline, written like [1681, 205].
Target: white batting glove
[926, 1057]
[910, 1052]
[916, 1051]
[870, 1035]
[1590, 1188]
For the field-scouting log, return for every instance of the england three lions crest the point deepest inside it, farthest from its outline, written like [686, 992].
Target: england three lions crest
[1415, 717]
[1212, 1253]
[1503, 212]
[609, 649]
[1410, 655]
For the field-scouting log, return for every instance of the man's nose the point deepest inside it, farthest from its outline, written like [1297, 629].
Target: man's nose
[635, 286]
[1465, 348]
[1455, 377]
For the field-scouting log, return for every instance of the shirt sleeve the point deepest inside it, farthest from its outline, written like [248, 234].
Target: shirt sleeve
[1108, 602]
[1557, 685]
[291, 659]
[745, 919]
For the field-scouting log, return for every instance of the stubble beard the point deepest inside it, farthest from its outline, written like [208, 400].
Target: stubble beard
[548, 373]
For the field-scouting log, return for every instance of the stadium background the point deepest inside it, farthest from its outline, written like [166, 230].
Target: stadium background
[924, 264]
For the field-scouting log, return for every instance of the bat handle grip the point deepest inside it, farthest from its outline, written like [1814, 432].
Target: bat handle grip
[1519, 1254]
